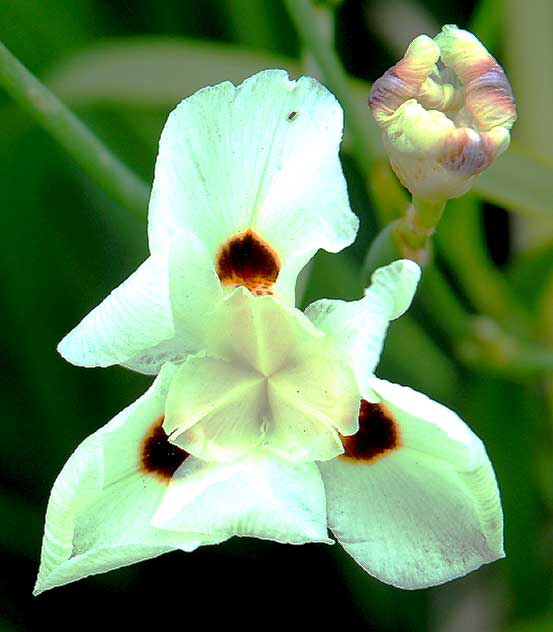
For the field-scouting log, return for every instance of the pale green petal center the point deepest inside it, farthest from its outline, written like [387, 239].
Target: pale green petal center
[269, 380]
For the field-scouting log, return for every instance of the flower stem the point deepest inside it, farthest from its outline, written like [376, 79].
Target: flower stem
[414, 230]
[92, 155]
[305, 19]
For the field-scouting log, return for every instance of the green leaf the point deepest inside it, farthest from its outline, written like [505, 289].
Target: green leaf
[160, 71]
[155, 72]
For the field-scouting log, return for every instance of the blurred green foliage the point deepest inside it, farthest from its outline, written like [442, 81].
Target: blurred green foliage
[122, 66]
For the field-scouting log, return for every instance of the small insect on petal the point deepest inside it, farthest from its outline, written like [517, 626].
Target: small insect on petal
[248, 261]
[377, 436]
[158, 456]
[292, 116]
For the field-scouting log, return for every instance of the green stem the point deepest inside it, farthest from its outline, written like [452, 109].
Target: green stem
[93, 156]
[305, 20]
[416, 227]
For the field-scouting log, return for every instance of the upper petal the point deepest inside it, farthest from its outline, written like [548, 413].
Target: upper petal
[427, 510]
[261, 156]
[101, 505]
[358, 328]
[261, 496]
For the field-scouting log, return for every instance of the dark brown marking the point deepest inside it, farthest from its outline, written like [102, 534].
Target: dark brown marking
[158, 456]
[246, 260]
[377, 436]
[292, 116]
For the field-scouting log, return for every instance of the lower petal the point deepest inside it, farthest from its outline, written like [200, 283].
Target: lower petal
[423, 512]
[261, 496]
[410, 522]
[101, 505]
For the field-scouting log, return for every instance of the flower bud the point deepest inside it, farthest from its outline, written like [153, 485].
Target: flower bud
[445, 111]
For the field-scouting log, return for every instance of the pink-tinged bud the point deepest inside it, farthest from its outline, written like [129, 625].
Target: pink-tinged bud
[445, 111]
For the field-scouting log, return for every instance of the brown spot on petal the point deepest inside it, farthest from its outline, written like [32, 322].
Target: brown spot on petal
[248, 261]
[158, 456]
[377, 436]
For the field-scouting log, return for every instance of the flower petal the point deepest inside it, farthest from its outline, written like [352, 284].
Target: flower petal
[101, 505]
[488, 95]
[260, 496]
[422, 514]
[194, 290]
[358, 328]
[403, 80]
[135, 316]
[309, 404]
[157, 315]
[271, 379]
[214, 409]
[261, 156]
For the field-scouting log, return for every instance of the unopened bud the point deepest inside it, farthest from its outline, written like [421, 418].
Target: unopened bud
[445, 111]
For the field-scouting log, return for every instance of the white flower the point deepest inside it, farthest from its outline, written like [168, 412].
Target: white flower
[445, 111]
[263, 421]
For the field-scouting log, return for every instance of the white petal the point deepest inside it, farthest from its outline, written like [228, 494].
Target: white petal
[194, 290]
[262, 156]
[262, 496]
[157, 315]
[422, 514]
[430, 428]
[101, 505]
[261, 333]
[358, 328]
[299, 433]
[214, 409]
[134, 317]
[271, 379]
[153, 358]
[309, 403]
